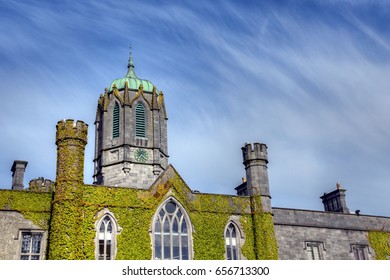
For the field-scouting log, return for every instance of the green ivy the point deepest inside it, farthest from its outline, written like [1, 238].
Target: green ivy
[380, 242]
[34, 206]
[75, 209]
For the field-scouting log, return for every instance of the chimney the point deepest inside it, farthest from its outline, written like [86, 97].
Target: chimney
[18, 169]
[335, 201]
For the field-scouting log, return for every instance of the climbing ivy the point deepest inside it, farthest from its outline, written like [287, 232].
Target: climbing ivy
[76, 208]
[380, 242]
[34, 206]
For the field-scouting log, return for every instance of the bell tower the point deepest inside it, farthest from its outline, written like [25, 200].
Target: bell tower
[130, 133]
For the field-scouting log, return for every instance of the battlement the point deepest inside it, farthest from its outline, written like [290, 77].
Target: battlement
[259, 152]
[69, 129]
[41, 185]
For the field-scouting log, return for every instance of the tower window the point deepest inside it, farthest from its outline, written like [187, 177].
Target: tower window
[115, 121]
[231, 242]
[140, 120]
[171, 233]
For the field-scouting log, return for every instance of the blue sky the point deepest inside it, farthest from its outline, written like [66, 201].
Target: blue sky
[311, 80]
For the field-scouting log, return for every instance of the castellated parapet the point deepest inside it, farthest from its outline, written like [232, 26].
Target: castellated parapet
[259, 152]
[41, 185]
[71, 130]
[71, 139]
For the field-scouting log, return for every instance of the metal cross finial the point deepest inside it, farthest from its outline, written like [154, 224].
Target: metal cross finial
[131, 62]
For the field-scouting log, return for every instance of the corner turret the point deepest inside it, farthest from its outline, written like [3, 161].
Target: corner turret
[71, 139]
[65, 238]
[257, 187]
[255, 161]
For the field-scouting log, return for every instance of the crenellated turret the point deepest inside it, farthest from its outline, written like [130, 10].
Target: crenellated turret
[71, 139]
[66, 240]
[255, 161]
[259, 152]
[41, 185]
[257, 187]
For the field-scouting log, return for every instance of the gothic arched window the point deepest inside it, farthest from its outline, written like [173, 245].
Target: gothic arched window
[140, 120]
[232, 243]
[115, 121]
[106, 239]
[171, 233]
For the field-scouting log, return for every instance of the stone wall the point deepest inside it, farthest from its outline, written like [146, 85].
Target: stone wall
[12, 223]
[336, 233]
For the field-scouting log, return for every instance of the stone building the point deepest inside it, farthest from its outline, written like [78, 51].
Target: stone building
[140, 208]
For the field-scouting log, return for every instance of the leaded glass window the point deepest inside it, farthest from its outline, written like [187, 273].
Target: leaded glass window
[140, 120]
[31, 246]
[232, 242]
[106, 239]
[171, 233]
[115, 121]
[313, 250]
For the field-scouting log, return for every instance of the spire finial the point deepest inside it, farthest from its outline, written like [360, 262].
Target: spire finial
[131, 63]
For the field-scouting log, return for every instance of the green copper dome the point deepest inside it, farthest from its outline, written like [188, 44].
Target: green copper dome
[131, 78]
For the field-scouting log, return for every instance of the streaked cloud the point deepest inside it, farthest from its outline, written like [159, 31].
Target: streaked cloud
[309, 79]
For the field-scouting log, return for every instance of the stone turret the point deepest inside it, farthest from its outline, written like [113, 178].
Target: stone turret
[18, 169]
[71, 139]
[65, 233]
[255, 162]
[41, 185]
[257, 187]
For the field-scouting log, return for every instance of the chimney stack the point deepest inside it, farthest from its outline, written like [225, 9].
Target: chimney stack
[18, 168]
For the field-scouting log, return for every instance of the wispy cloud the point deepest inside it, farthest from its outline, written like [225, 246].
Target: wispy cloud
[309, 79]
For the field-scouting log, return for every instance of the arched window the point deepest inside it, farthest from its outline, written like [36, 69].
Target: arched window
[232, 243]
[171, 233]
[115, 121]
[106, 239]
[140, 120]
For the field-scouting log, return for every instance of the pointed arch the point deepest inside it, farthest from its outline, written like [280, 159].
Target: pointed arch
[140, 120]
[172, 232]
[232, 241]
[115, 120]
[106, 232]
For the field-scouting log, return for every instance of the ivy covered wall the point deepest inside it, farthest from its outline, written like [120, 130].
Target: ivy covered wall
[134, 211]
[34, 206]
[380, 242]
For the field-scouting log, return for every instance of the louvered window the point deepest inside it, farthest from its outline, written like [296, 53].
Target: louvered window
[140, 120]
[115, 121]
[160, 128]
